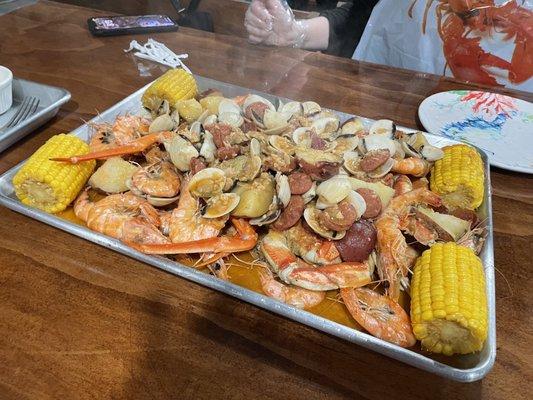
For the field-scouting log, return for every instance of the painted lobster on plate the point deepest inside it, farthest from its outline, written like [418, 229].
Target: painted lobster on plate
[462, 24]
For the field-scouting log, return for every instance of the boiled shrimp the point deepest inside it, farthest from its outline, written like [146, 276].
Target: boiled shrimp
[123, 216]
[411, 166]
[158, 180]
[125, 129]
[310, 247]
[295, 271]
[379, 315]
[395, 256]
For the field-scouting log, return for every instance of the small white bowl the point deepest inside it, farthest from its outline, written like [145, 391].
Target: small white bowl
[6, 89]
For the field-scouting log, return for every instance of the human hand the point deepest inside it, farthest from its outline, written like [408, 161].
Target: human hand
[272, 22]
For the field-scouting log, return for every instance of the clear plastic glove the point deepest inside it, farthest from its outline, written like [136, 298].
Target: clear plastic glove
[272, 22]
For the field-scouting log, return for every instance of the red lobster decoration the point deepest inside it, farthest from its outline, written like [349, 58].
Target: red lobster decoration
[463, 23]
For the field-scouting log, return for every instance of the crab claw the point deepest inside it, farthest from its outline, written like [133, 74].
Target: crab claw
[246, 239]
[135, 146]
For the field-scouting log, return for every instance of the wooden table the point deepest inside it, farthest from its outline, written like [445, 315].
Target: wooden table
[78, 321]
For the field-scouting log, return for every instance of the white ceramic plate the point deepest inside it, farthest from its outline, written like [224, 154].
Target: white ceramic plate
[500, 125]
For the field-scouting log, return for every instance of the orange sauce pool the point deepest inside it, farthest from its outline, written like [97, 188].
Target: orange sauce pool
[243, 274]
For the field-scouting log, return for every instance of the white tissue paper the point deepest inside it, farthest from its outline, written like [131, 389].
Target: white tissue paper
[480, 39]
[158, 52]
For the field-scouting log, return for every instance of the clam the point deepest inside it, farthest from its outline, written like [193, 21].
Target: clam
[211, 103]
[322, 204]
[283, 189]
[164, 108]
[161, 201]
[207, 183]
[313, 156]
[409, 150]
[272, 122]
[302, 136]
[417, 140]
[203, 116]
[251, 169]
[399, 154]
[311, 217]
[228, 106]
[221, 204]
[210, 120]
[431, 153]
[310, 108]
[448, 227]
[181, 152]
[233, 119]
[255, 147]
[358, 202]
[310, 194]
[254, 98]
[270, 216]
[351, 162]
[193, 134]
[208, 149]
[324, 127]
[377, 142]
[162, 123]
[282, 144]
[334, 189]
[352, 126]
[345, 144]
[382, 170]
[383, 127]
[292, 108]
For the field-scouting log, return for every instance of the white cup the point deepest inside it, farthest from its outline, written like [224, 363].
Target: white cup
[6, 89]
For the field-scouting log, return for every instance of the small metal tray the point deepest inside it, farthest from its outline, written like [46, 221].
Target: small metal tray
[50, 99]
[462, 368]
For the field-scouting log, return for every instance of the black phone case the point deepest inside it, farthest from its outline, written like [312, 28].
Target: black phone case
[129, 31]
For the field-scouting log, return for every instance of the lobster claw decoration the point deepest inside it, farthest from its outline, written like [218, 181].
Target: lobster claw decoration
[463, 23]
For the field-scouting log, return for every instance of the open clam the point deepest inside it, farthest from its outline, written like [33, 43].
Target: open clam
[352, 126]
[208, 149]
[384, 127]
[207, 183]
[310, 194]
[382, 170]
[228, 106]
[334, 189]
[221, 204]
[352, 161]
[292, 108]
[233, 119]
[283, 189]
[161, 201]
[311, 217]
[162, 123]
[377, 142]
[358, 202]
[181, 152]
[344, 144]
[310, 108]
[210, 120]
[326, 126]
[272, 122]
[283, 144]
[270, 216]
[254, 98]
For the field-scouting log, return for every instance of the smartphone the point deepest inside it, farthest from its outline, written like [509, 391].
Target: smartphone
[127, 25]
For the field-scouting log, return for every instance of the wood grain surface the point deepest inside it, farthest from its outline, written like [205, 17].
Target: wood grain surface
[78, 321]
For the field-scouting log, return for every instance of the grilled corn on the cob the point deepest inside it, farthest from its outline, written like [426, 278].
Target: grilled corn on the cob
[458, 177]
[448, 300]
[51, 185]
[172, 86]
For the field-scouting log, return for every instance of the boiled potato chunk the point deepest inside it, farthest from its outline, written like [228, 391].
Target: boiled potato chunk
[256, 196]
[112, 175]
[384, 192]
[190, 110]
[210, 103]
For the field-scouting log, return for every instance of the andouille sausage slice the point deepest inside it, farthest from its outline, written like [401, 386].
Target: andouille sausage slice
[373, 202]
[299, 182]
[196, 165]
[291, 214]
[358, 243]
[374, 159]
[338, 217]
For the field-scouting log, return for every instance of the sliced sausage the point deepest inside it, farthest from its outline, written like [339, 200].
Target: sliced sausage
[358, 242]
[317, 142]
[373, 202]
[291, 214]
[258, 109]
[374, 159]
[320, 171]
[248, 126]
[467, 215]
[338, 217]
[197, 164]
[220, 132]
[227, 153]
[300, 182]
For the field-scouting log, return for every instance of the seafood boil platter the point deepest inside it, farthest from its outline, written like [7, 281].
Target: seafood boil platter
[373, 233]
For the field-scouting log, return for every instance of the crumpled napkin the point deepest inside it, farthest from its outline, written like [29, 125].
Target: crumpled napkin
[158, 52]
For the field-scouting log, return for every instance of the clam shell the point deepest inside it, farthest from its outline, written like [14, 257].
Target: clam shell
[228, 106]
[399, 154]
[382, 170]
[283, 144]
[352, 126]
[254, 98]
[181, 152]
[207, 183]
[221, 204]
[310, 194]
[384, 127]
[310, 108]
[358, 202]
[322, 204]
[292, 108]
[283, 189]
[161, 201]
[324, 127]
[274, 119]
[409, 150]
[233, 119]
[310, 216]
[377, 142]
[431, 153]
[334, 189]
[302, 136]
[265, 219]
[417, 140]
[162, 123]
[210, 120]
[208, 149]
[345, 144]
[276, 131]
[351, 162]
[203, 116]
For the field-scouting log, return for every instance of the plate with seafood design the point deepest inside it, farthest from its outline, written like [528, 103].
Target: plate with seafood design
[500, 125]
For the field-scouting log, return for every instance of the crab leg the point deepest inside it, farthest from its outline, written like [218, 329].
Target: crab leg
[245, 239]
[135, 146]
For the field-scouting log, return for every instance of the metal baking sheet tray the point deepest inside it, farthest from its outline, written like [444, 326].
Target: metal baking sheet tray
[50, 99]
[462, 368]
